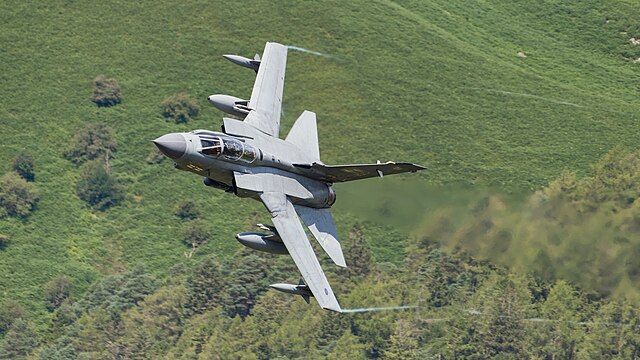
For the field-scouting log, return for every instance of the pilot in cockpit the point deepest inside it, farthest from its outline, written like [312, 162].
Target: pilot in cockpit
[211, 147]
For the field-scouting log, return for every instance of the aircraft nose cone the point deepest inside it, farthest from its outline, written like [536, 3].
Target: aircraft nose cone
[173, 145]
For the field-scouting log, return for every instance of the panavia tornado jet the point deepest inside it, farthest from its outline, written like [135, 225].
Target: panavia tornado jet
[248, 158]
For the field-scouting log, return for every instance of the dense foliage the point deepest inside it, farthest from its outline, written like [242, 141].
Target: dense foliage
[593, 220]
[180, 108]
[17, 196]
[91, 142]
[97, 186]
[221, 310]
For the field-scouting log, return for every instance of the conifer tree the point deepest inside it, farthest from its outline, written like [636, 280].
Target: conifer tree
[19, 341]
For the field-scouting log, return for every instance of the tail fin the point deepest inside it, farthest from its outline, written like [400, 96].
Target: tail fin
[304, 134]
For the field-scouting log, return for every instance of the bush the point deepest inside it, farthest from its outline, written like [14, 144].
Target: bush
[23, 165]
[4, 241]
[57, 290]
[155, 156]
[93, 141]
[10, 311]
[195, 234]
[187, 210]
[98, 188]
[17, 196]
[181, 108]
[106, 91]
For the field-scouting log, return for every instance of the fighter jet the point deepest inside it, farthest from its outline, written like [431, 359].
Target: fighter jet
[248, 158]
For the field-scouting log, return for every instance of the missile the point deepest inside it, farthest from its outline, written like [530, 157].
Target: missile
[262, 242]
[243, 61]
[230, 104]
[300, 289]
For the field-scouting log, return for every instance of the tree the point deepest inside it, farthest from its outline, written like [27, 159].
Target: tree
[23, 165]
[564, 307]
[98, 188]
[358, 254]
[187, 210]
[62, 349]
[241, 340]
[249, 276]
[196, 334]
[614, 332]
[348, 347]
[57, 290]
[10, 311]
[19, 341]
[91, 142]
[180, 108]
[118, 292]
[403, 342]
[155, 324]
[17, 196]
[205, 286]
[195, 234]
[500, 329]
[106, 91]
[97, 335]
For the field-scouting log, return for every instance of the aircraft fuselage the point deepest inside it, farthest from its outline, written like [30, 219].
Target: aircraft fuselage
[222, 159]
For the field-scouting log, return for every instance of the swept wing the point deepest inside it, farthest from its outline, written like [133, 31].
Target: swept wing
[342, 173]
[266, 97]
[290, 229]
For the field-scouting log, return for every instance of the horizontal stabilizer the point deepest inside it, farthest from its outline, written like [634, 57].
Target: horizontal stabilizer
[320, 223]
[342, 173]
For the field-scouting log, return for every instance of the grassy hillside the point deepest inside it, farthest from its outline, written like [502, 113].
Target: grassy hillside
[437, 83]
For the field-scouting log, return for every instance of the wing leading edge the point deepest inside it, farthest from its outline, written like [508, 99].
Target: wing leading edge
[292, 233]
[266, 97]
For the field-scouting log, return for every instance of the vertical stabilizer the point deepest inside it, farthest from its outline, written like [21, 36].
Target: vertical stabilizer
[304, 134]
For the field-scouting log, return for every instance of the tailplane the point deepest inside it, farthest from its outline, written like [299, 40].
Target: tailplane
[320, 223]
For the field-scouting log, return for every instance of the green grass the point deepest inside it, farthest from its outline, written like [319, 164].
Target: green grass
[436, 83]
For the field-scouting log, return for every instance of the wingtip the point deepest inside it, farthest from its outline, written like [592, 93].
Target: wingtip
[334, 309]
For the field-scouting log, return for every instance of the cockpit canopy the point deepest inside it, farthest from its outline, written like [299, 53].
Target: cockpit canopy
[214, 144]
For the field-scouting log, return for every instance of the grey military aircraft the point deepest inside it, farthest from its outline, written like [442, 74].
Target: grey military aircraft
[247, 158]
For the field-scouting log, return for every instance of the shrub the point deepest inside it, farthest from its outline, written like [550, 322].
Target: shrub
[195, 234]
[17, 196]
[94, 140]
[23, 165]
[9, 312]
[19, 341]
[98, 188]
[4, 241]
[155, 157]
[181, 108]
[106, 91]
[187, 210]
[57, 290]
